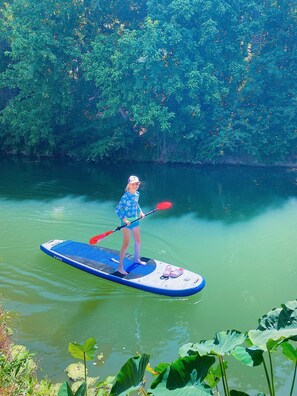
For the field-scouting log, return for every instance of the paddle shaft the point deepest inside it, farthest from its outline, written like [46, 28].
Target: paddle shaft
[133, 221]
[160, 206]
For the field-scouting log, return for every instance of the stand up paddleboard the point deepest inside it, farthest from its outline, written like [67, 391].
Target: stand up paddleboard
[155, 277]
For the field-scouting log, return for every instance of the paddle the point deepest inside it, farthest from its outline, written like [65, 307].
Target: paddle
[159, 206]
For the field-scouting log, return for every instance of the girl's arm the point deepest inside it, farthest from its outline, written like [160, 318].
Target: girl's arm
[121, 208]
[141, 214]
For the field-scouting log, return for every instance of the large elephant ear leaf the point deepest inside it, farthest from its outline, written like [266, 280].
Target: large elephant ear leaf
[186, 350]
[187, 373]
[280, 318]
[130, 376]
[226, 341]
[223, 344]
[278, 325]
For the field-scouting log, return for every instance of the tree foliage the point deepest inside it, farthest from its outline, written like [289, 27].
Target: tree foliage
[173, 80]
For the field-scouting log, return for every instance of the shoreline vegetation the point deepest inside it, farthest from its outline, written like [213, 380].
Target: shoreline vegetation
[227, 161]
[201, 367]
[160, 81]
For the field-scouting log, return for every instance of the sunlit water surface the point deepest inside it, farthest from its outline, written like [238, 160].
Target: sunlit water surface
[235, 226]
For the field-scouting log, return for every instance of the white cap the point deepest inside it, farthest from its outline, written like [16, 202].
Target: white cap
[133, 179]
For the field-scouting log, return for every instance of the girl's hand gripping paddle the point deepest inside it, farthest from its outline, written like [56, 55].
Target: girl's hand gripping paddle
[159, 206]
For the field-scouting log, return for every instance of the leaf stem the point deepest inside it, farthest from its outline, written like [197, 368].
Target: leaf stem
[267, 377]
[85, 364]
[143, 391]
[224, 376]
[294, 378]
[271, 374]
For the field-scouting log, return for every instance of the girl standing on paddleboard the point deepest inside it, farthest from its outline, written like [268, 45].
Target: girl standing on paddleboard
[128, 209]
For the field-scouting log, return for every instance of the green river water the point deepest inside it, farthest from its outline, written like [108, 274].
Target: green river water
[236, 226]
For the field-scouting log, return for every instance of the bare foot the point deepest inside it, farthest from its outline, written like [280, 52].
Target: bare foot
[122, 271]
[140, 262]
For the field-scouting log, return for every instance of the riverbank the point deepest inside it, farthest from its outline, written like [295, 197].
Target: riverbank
[17, 365]
[226, 160]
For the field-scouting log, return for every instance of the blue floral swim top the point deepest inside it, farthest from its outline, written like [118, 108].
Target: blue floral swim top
[128, 206]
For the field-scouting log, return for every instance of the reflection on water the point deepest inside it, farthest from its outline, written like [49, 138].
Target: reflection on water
[234, 225]
[227, 194]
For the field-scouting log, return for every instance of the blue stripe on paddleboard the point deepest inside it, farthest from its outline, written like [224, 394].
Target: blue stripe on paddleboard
[103, 256]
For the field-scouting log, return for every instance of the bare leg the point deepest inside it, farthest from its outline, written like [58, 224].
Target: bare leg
[126, 241]
[137, 242]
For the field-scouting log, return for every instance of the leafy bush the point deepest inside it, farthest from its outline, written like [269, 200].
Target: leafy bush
[202, 366]
[200, 369]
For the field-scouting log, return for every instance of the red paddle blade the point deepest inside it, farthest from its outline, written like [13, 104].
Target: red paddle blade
[163, 205]
[97, 238]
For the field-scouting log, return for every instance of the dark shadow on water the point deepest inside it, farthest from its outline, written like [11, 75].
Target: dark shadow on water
[219, 193]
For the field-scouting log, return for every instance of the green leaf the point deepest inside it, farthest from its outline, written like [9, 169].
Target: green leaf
[90, 344]
[88, 349]
[65, 390]
[81, 390]
[187, 373]
[280, 318]
[249, 356]
[103, 387]
[278, 325]
[261, 338]
[76, 350]
[214, 375]
[223, 343]
[161, 367]
[272, 345]
[188, 390]
[130, 376]
[239, 393]
[185, 350]
[289, 351]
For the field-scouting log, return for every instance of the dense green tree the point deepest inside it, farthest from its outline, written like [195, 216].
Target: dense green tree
[3, 59]
[177, 77]
[40, 72]
[267, 115]
[184, 80]
[51, 108]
